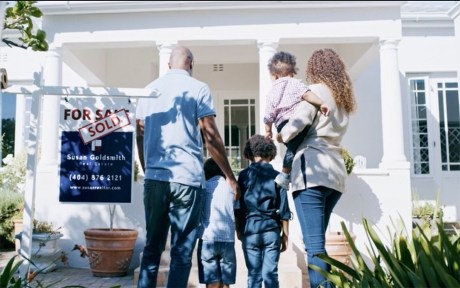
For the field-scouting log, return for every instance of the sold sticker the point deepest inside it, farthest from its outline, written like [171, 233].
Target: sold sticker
[104, 126]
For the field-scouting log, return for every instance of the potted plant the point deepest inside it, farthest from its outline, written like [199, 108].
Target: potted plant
[109, 250]
[45, 248]
[426, 213]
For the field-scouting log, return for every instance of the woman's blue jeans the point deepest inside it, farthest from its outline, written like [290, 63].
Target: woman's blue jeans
[314, 207]
[179, 207]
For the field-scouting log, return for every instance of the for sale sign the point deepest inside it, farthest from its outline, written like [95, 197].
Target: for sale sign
[96, 150]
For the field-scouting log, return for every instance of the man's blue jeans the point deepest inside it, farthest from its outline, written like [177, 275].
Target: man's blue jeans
[179, 207]
[261, 254]
[314, 207]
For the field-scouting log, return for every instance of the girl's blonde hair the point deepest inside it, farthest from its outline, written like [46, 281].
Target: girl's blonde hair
[325, 66]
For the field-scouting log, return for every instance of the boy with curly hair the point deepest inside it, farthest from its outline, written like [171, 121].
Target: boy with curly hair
[262, 219]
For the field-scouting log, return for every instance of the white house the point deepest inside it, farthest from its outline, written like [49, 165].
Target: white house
[402, 57]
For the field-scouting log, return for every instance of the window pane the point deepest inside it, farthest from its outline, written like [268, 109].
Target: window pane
[239, 102]
[454, 167]
[419, 84]
[420, 154]
[420, 98]
[449, 126]
[421, 112]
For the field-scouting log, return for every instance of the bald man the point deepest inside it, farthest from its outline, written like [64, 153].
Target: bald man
[170, 134]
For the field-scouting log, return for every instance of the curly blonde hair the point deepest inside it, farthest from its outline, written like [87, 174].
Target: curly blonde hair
[325, 66]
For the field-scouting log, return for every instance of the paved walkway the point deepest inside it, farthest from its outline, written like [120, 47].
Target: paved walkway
[73, 277]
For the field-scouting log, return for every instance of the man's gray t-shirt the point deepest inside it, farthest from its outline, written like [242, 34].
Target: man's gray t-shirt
[173, 146]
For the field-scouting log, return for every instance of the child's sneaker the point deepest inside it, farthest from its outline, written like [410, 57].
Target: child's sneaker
[283, 180]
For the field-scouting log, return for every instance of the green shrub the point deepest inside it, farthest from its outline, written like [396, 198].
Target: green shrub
[12, 184]
[426, 210]
[422, 260]
[349, 162]
[11, 204]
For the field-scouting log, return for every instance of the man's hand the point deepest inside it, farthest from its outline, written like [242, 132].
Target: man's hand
[235, 188]
[284, 242]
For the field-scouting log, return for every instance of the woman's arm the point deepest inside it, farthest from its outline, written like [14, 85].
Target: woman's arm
[303, 116]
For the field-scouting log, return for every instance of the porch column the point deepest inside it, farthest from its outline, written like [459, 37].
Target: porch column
[454, 13]
[267, 48]
[22, 120]
[52, 76]
[392, 121]
[165, 50]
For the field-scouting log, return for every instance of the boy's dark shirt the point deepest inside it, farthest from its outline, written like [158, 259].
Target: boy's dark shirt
[262, 204]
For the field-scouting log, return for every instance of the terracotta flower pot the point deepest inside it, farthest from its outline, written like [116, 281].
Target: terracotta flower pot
[18, 227]
[337, 247]
[110, 251]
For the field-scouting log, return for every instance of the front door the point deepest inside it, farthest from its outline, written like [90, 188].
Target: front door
[435, 116]
[239, 125]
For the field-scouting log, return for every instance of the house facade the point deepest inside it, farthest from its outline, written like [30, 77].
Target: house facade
[402, 57]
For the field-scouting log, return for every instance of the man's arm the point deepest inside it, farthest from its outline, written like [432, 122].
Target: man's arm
[140, 141]
[216, 147]
[284, 235]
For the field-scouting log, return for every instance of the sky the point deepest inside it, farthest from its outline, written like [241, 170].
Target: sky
[8, 107]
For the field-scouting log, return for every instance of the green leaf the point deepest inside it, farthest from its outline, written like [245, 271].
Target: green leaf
[35, 12]
[339, 265]
[8, 271]
[337, 280]
[393, 264]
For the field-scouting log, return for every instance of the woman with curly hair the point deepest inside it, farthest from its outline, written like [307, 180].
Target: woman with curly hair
[318, 170]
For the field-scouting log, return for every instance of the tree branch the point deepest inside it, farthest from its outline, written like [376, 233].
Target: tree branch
[11, 44]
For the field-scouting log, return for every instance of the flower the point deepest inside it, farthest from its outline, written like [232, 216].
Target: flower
[13, 175]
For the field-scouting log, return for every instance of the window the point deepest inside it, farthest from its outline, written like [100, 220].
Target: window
[435, 121]
[239, 124]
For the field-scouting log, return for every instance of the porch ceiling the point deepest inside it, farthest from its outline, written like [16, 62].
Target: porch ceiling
[98, 65]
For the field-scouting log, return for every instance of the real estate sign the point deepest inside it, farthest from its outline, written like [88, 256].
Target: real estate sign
[97, 143]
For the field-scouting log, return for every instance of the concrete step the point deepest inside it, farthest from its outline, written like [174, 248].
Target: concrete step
[290, 275]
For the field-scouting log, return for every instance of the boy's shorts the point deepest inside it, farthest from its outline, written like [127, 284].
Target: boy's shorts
[216, 262]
